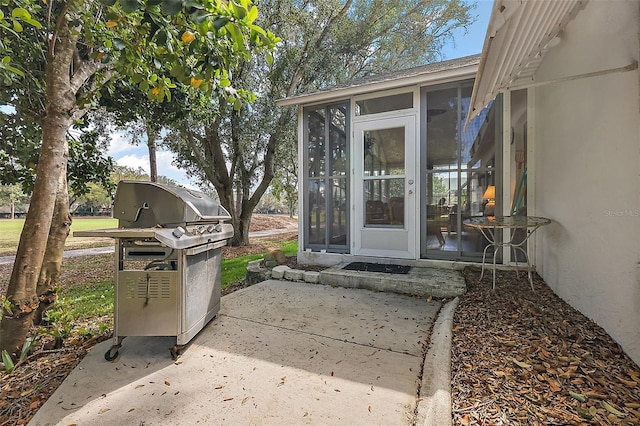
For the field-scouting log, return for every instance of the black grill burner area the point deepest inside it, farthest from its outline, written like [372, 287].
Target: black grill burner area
[377, 267]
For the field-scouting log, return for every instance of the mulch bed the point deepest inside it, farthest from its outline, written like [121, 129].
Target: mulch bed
[521, 357]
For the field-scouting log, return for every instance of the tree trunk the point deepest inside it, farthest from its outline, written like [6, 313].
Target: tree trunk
[60, 102]
[241, 230]
[52, 263]
[153, 161]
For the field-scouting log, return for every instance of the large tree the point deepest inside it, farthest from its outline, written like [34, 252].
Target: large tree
[325, 42]
[80, 46]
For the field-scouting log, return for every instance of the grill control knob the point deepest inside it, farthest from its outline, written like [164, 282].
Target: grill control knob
[201, 229]
[178, 232]
[211, 228]
[218, 228]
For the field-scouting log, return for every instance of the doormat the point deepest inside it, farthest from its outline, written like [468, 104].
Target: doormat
[378, 267]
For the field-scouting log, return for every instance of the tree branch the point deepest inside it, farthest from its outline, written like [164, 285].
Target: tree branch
[297, 75]
[83, 72]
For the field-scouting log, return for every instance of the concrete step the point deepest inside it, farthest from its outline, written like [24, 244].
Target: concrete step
[420, 281]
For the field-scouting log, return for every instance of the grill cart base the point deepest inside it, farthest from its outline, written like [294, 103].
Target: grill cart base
[175, 292]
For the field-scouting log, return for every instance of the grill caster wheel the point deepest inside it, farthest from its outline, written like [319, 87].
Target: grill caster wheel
[112, 354]
[176, 351]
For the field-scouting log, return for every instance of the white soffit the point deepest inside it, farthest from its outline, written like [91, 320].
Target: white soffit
[519, 35]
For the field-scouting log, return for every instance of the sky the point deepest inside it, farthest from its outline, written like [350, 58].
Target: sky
[461, 45]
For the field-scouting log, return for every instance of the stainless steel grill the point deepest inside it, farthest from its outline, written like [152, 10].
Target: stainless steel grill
[168, 261]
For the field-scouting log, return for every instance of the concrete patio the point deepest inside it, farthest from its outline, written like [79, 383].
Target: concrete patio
[278, 353]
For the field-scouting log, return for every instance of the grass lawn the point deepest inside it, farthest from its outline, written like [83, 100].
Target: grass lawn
[10, 230]
[85, 296]
[86, 291]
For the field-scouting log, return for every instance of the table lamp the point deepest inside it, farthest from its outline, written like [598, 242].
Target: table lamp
[490, 197]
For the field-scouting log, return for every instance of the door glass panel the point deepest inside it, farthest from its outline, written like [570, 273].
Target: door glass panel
[442, 201]
[384, 202]
[384, 158]
[384, 152]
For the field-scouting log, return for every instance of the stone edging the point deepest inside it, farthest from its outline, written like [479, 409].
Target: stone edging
[256, 273]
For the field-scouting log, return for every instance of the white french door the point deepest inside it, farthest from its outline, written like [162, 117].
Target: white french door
[384, 188]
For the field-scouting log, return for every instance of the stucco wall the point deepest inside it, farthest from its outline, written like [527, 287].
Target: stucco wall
[587, 170]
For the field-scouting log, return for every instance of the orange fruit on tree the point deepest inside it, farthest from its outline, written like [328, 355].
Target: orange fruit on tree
[188, 37]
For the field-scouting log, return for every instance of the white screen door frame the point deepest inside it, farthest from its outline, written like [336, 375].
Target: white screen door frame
[384, 188]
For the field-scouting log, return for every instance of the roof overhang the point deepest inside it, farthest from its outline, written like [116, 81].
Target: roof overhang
[441, 72]
[520, 33]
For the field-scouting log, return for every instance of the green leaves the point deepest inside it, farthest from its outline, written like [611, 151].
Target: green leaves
[171, 7]
[220, 22]
[20, 14]
[8, 362]
[130, 6]
[252, 15]
[157, 45]
[4, 64]
[239, 10]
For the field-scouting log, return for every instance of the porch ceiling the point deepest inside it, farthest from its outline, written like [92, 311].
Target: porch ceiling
[519, 35]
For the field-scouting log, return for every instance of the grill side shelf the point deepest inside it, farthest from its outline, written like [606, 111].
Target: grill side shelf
[118, 233]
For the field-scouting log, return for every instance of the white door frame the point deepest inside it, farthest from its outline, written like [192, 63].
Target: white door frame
[385, 241]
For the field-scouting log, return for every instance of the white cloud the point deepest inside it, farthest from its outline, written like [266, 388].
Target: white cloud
[134, 161]
[165, 158]
[118, 144]
[165, 168]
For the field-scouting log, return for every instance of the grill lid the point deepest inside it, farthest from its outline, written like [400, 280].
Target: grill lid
[142, 204]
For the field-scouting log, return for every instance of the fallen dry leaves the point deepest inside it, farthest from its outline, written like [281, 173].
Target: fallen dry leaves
[521, 357]
[24, 391]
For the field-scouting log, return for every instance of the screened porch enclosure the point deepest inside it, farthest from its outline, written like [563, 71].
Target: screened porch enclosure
[326, 225]
[460, 171]
[395, 174]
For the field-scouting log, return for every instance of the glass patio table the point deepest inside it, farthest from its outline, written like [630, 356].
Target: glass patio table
[487, 226]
